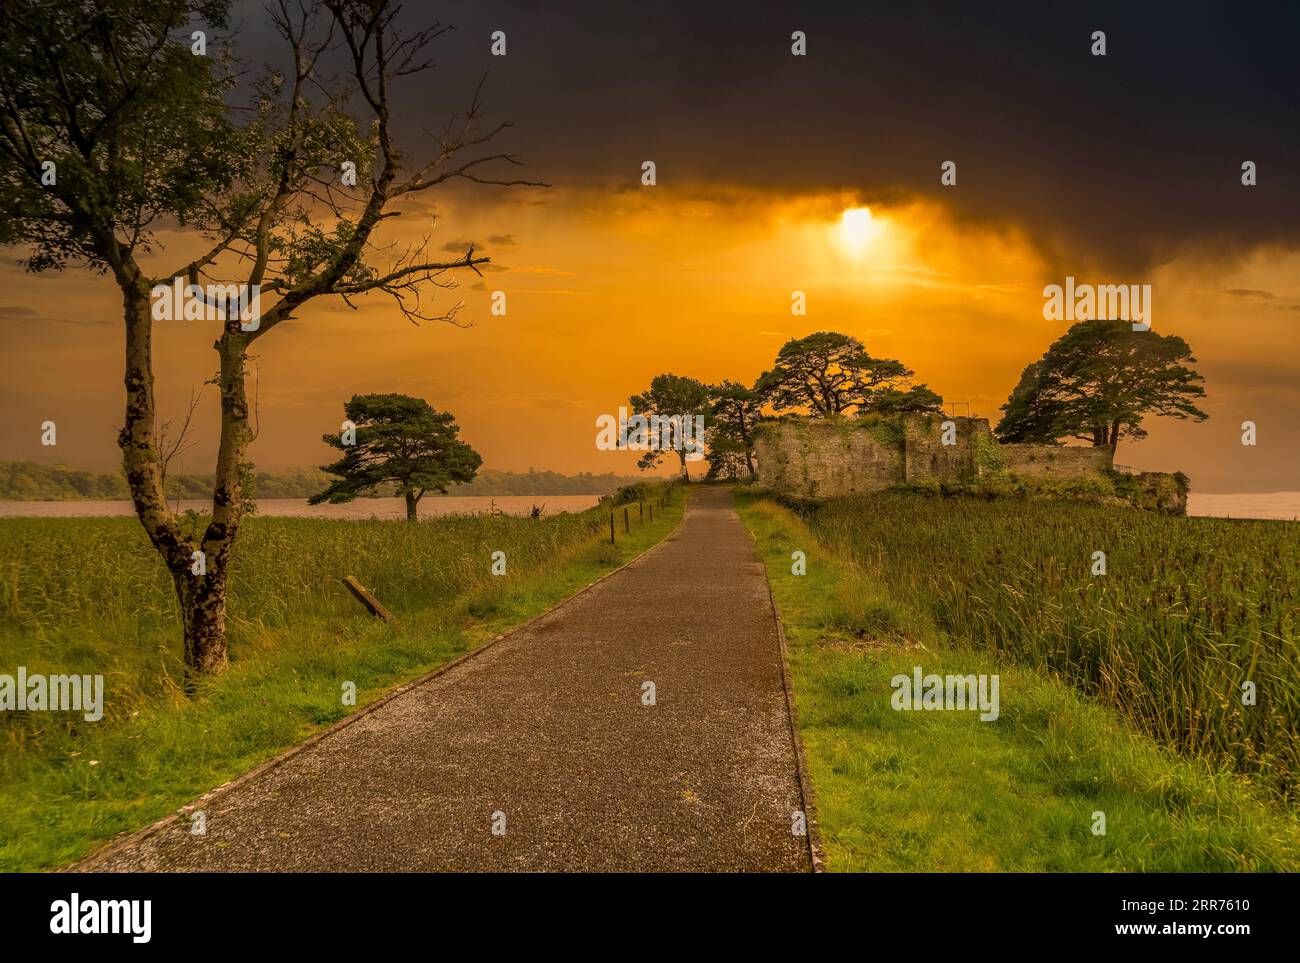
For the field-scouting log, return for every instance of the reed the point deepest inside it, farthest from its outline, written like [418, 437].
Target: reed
[1188, 611]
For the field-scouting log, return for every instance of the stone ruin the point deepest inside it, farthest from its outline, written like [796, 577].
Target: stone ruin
[812, 458]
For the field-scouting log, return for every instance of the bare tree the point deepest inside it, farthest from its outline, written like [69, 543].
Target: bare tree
[112, 124]
[170, 448]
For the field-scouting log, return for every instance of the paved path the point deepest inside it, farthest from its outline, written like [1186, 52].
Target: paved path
[548, 727]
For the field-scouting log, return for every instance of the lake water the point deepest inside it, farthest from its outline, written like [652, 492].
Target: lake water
[386, 508]
[1285, 505]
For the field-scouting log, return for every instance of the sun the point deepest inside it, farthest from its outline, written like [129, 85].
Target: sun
[857, 228]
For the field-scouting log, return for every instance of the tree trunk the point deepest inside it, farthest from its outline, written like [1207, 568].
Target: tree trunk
[140, 461]
[411, 502]
[200, 583]
[686, 472]
[746, 438]
[203, 615]
[201, 598]
[203, 607]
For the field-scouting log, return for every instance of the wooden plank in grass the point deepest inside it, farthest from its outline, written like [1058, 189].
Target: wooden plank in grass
[366, 599]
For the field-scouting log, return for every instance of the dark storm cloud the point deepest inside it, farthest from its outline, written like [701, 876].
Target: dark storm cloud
[1128, 157]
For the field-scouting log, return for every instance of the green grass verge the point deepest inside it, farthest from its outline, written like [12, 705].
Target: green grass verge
[943, 791]
[295, 636]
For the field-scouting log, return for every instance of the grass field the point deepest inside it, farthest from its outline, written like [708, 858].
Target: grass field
[939, 791]
[89, 596]
[1187, 611]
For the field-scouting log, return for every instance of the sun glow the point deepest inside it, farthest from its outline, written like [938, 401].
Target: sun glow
[857, 229]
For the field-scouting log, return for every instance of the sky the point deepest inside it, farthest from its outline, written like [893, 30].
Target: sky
[1115, 169]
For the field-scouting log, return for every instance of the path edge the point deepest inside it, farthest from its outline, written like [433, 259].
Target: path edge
[815, 852]
[91, 861]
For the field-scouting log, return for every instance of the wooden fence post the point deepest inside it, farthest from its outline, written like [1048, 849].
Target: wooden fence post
[365, 598]
[611, 528]
[627, 521]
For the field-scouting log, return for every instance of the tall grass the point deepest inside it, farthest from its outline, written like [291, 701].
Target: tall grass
[1189, 608]
[90, 595]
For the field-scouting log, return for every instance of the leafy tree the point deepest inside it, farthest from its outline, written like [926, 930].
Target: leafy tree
[726, 460]
[1030, 415]
[1098, 381]
[891, 401]
[112, 125]
[672, 399]
[734, 411]
[399, 440]
[829, 373]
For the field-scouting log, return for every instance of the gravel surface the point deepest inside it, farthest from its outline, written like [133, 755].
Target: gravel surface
[548, 728]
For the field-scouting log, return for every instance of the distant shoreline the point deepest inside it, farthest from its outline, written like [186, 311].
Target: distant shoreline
[25, 481]
[360, 509]
[1265, 506]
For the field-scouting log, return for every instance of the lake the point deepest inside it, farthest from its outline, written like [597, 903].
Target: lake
[362, 508]
[1285, 505]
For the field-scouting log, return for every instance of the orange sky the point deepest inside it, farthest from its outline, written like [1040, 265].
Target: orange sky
[608, 287]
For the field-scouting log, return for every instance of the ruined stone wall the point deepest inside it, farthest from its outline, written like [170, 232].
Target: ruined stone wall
[827, 457]
[1054, 461]
[925, 456]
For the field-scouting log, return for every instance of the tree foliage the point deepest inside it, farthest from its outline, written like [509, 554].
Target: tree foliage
[734, 411]
[828, 373]
[1098, 382]
[673, 399]
[399, 440]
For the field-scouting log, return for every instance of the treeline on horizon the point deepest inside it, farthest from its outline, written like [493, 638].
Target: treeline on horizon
[30, 481]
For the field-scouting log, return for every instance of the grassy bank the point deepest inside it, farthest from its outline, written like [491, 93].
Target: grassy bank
[939, 791]
[88, 596]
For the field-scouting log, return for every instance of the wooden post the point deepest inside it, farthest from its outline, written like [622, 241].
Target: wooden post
[652, 513]
[627, 521]
[366, 599]
[611, 528]
[640, 507]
